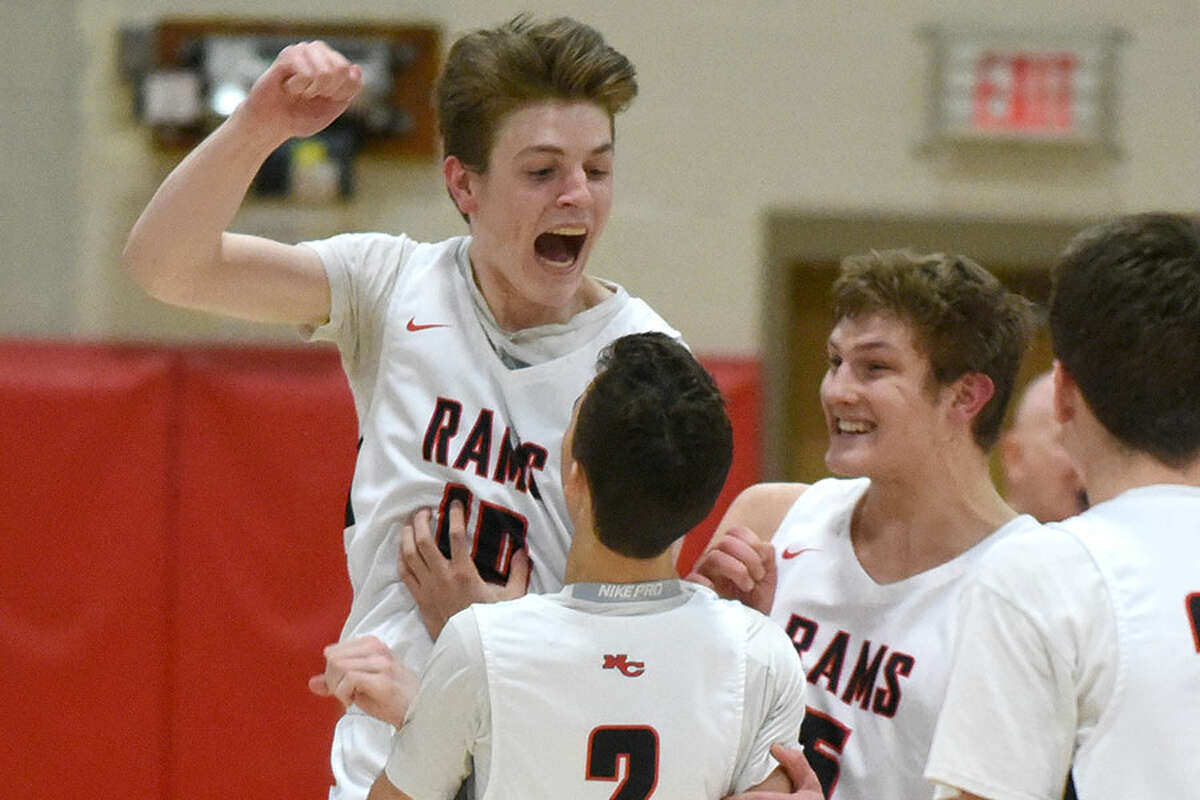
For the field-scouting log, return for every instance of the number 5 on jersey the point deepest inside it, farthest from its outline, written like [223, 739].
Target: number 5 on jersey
[499, 532]
[824, 738]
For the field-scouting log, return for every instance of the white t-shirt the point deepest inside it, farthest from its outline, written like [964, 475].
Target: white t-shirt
[442, 416]
[546, 694]
[1080, 652]
[877, 655]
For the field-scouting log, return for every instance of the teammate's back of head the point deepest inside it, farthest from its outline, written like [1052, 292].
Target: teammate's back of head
[654, 441]
[1125, 320]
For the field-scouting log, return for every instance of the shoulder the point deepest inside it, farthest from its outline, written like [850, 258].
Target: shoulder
[360, 243]
[762, 507]
[1017, 526]
[458, 650]
[634, 315]
[1040, 548]
[380, 250]
[1045, 570]
[769, 649]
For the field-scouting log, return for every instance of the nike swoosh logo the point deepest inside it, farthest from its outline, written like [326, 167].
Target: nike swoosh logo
[413, 326]
[790, 553]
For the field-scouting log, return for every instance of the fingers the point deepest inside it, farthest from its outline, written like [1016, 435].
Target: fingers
[793, 761]
[410, 565]
[315, 70]
[425, 541]
[770, 568]
[318, 686]
[459, 550]
[790, 758]
[356, 647]
[518, 575]
[744, 545]
[420, 560]
[749, 555]
[722, 568]
[352, 666]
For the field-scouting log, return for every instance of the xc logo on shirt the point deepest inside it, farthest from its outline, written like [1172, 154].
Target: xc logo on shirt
[630, 669]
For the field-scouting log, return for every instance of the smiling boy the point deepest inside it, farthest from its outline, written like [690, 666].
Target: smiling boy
[462, 355]
[865, 569]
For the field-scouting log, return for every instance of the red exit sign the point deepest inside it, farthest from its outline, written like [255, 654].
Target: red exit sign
[1018, 85]
[1025, 92]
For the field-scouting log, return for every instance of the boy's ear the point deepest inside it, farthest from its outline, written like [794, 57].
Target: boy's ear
[576, 478]
[460, 183]
[577, 493]
[1065, 394]
[972, 391]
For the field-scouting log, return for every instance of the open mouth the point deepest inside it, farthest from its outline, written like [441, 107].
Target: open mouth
[852, 426]
[561, 246]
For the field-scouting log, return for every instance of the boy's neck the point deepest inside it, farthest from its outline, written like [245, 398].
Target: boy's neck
[1118, 471]
[589, 561]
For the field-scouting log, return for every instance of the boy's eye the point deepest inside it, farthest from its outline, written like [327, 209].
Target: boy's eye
[544, 172]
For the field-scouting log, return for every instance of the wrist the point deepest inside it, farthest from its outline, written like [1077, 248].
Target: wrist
[251, 133]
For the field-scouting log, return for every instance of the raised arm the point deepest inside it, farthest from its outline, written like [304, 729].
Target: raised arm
[179, 250]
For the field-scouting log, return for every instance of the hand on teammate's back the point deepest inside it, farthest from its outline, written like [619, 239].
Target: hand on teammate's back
[444, 586]
[740, 566]
[363, 672]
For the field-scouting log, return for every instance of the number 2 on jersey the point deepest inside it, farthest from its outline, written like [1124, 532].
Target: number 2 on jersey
[637, 746]
[499, 532]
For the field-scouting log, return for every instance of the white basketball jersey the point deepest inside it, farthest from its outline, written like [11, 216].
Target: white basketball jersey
[1146, 743]
[589, 706]
[877, 656]
[442, 418]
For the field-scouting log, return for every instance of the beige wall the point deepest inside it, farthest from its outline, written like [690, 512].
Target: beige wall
[745, 107]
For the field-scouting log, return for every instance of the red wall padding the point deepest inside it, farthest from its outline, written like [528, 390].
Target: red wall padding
[172, 564]
[267, 445]
[85, 488]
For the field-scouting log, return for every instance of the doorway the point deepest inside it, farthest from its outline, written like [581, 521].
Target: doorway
[803, 255]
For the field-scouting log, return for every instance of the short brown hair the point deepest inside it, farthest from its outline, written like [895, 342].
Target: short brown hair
[491, 72]
[963, 319]
[1125, 319]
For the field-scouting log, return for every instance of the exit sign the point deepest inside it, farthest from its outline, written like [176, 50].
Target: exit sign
[1014, 86]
